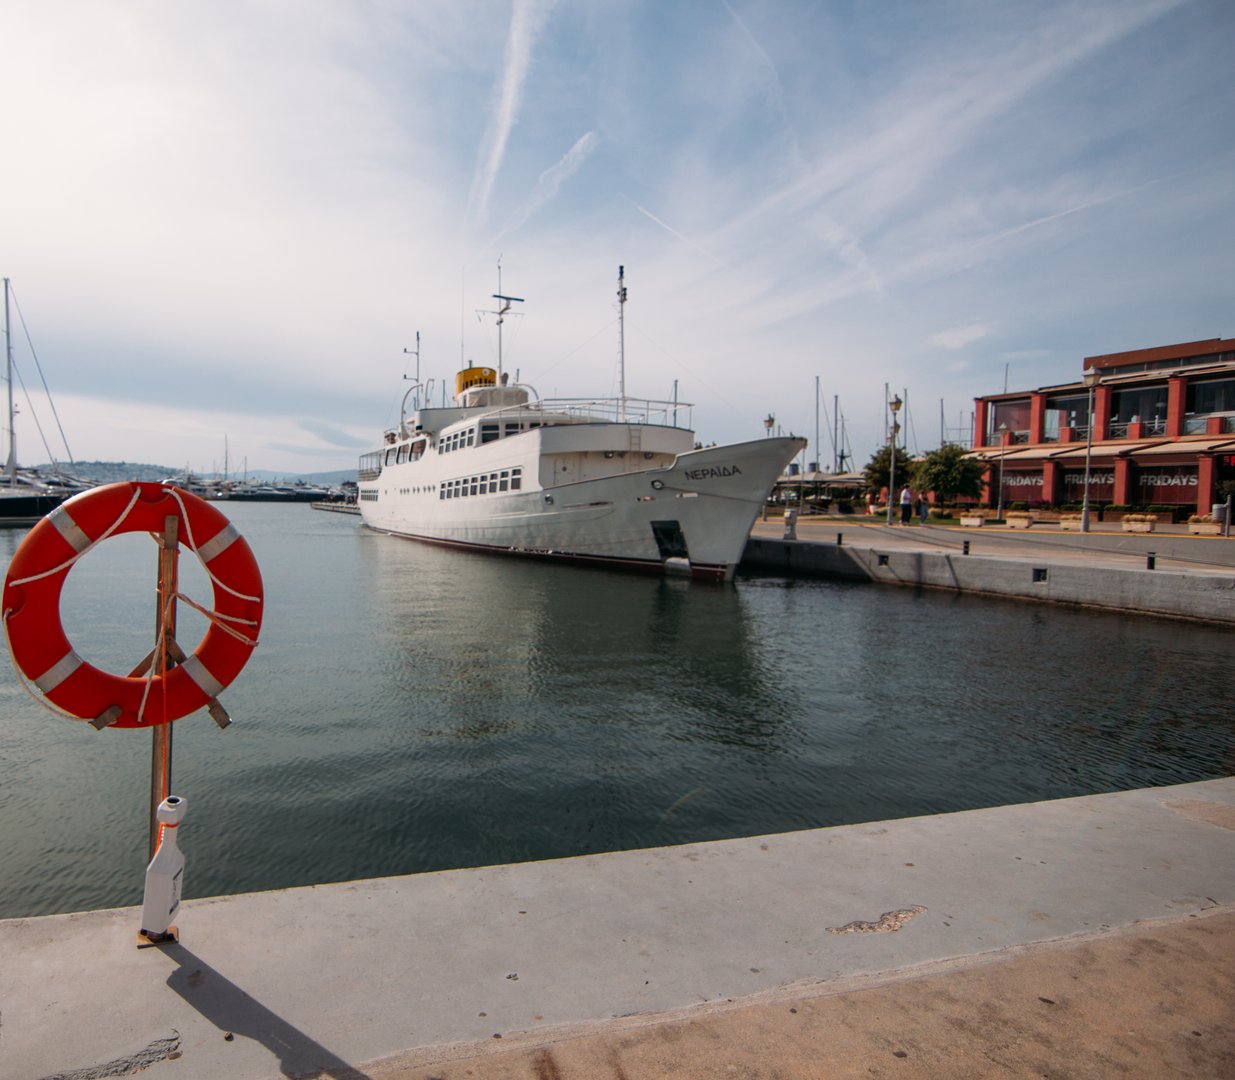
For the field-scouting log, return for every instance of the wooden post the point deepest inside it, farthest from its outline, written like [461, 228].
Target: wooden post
[165, 630]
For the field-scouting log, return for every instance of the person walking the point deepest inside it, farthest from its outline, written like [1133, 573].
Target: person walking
[906, 505]
[924, 509]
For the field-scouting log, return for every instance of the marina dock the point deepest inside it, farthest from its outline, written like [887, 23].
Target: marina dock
[1085, 937]
[1166, 573]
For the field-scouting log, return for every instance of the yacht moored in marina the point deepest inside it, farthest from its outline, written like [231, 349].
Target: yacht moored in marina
[615, 482]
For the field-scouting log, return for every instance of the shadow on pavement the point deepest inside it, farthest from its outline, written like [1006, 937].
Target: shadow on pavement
[234, 1012]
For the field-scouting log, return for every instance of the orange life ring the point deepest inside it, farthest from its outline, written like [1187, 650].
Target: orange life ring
[36, 576]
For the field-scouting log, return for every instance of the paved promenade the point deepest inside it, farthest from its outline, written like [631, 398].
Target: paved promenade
[1089, 937]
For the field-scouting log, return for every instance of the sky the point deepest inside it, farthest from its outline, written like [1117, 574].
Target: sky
[226, 223]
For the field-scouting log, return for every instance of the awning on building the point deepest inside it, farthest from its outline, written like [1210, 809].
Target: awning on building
[1110, 449]
[1182, 446]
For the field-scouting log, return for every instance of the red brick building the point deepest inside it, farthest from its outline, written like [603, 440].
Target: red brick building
[1163, 432]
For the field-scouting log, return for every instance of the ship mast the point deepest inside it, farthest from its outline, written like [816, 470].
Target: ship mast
[621, 295]
[8, 354]
[501, 312]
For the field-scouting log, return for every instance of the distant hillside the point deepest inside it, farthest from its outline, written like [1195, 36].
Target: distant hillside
[109, 472]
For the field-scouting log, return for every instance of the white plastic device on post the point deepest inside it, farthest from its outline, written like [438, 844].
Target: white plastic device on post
[164, 878]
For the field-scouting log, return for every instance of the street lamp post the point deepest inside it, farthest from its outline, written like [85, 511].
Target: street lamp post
[895, 406]
[1003, 449]
[1091, 380]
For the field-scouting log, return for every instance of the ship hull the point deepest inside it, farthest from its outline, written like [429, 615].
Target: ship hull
[691, 517]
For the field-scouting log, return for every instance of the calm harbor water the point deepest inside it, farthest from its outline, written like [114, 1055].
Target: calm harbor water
[412, 709]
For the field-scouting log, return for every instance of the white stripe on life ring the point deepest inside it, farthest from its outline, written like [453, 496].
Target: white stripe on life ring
[69, 529]
[58, 672]
[198, 672]
[218, 543]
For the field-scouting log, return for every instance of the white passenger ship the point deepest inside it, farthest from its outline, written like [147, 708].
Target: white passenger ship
[613, 482]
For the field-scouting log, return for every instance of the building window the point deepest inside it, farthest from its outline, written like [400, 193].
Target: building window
[1065, 411]
[1012, 416]
[1141, 404]
[1207, 398]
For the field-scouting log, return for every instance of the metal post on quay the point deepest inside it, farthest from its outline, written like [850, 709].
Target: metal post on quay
[893, 430]
[1091, 378]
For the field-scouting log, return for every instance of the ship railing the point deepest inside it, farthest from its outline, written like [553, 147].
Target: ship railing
[614, 410]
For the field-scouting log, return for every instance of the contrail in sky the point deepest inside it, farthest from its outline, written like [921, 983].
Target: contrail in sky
[702, 251]
[526, 21]
[550, 182]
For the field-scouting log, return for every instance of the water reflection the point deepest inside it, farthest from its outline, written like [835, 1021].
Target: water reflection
[413, 708]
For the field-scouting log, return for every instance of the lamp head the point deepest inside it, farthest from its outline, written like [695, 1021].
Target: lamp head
[1091, 377]
[895, 404]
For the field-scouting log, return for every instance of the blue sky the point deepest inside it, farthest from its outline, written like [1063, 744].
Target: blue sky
[229, 220]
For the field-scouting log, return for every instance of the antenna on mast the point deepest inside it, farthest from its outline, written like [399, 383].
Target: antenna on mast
[621, 296]
[501, 313]
[416, 383]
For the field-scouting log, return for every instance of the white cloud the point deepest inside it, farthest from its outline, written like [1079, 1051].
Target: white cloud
[960, 336]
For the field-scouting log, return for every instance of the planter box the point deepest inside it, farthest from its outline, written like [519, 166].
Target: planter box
[1205, 528]
[1071, 524]
[1019, 522]
[972, 521]
[1137, 526]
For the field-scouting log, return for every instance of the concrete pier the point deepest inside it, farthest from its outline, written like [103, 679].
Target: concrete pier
[1170, 574]
[1083, 937]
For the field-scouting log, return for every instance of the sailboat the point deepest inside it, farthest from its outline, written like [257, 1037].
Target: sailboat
[25, 497]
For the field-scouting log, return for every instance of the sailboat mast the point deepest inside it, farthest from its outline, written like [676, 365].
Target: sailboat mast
[621, 296]
[8, 356]
[818, 455]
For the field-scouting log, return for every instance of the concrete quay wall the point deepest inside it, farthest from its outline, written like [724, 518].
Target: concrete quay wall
[1038, 576]
[379, 979]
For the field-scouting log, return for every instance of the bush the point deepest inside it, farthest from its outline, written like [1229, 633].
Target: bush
[844, 506]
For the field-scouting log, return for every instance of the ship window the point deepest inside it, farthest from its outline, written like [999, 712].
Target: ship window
[402, 453]
[490, 432]
[512, 427]
[516, 479]
[484, 487]
[390, 456]
[473, 486]
[471, 437]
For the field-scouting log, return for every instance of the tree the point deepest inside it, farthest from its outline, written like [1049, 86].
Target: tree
[949, 474]
[876, 471]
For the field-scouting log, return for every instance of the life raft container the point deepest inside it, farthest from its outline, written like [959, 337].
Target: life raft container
[36, 576]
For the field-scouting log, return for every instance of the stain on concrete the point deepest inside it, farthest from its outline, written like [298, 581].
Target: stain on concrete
[888, 921]
[159, 1050]
[1213, 813]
